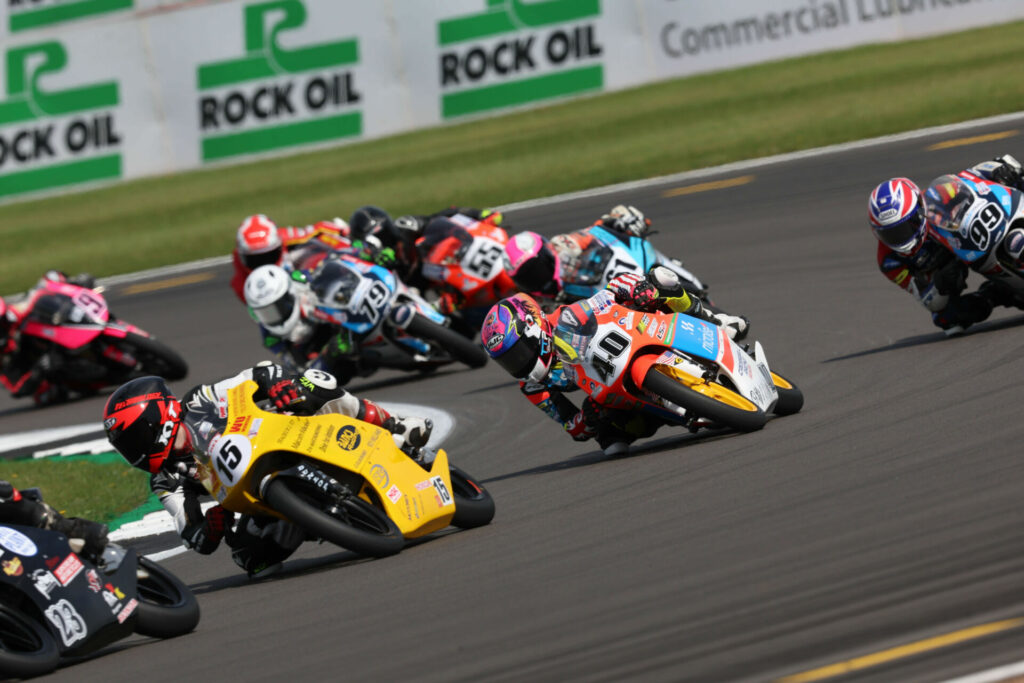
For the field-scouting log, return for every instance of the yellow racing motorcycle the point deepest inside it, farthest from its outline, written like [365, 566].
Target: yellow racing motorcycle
[339, 479]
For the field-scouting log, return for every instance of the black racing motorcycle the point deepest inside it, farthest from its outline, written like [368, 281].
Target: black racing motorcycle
[56, 602]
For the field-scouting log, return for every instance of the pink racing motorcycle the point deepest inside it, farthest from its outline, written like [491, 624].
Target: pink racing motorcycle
[89, 348]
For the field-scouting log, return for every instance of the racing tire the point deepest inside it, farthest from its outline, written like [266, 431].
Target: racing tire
[739, 414]
[156, 358]
[791, 399]
[354, 524]
[473, 504]
[458, 347]
[27, 648]
[167, 607]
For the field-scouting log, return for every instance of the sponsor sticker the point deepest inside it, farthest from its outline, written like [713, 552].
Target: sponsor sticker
[17, 542]
[127, 610]
[380, 476]
[44, 582]
[13, 566]
[348, 438]
[444, 496]
[68, 569]
[424, 485]
[94, 581]
[394, 494]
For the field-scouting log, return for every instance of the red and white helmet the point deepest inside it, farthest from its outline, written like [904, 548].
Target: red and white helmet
[896, 212]
[259, 242]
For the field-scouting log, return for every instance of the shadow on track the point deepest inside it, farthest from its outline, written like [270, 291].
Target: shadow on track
[649, 447]
[924, 339]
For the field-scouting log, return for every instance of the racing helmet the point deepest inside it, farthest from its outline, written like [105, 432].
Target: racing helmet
[948, 199]
[365, 219]
[518, 336]
[532, 264]
[271, 297]
[141, 419]
[259, 242]
[896, 212]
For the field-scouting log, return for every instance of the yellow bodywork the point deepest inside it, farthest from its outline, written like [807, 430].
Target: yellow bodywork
[418, 501]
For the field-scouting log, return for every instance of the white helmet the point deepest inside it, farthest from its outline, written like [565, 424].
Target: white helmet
[271, 296]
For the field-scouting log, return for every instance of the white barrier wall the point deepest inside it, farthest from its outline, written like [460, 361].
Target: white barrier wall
[103, 90]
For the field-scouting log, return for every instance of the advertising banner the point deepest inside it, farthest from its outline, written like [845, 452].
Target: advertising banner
[105, 90]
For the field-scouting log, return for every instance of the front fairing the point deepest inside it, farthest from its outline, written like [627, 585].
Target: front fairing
[983, 225]
[369, 300]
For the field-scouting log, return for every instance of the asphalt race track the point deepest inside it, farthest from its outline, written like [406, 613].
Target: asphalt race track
[887, 512]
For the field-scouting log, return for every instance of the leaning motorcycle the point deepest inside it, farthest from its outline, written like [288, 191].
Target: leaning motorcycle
[973, 218]
[58, 603]
[339, 479]
[674, 366]
[94, 349]
[398, 327]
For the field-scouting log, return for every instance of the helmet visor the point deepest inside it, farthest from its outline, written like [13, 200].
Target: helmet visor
[538, 274]
[902, 234]
[142, 439]
[276, 312]
[520, 360]
[266, 258]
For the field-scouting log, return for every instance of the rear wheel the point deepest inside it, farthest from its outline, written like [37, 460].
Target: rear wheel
[458, 347]
[791, 399]
[351, 523]
[26, 647]
[473, 504]
[156, 358]
[167, 607]
[709, 400]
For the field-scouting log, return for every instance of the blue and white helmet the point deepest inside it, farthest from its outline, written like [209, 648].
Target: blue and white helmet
[896, 212]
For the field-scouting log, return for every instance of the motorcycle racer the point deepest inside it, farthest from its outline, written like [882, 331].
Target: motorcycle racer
[571, 267]
[259, 241]
[143, 421]
[911, 256]
[28, 365]
[28, 509]
[523, 340]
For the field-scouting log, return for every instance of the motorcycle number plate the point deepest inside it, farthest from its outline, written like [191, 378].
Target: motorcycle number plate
[231, 458]
[443, 494]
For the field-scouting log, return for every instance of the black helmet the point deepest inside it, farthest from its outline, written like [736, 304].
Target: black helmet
[142, 419]
[365, 220]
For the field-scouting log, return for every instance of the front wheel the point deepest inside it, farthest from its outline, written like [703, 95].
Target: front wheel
[26, 648]
[458, 347]
[155, 357]
[791, 399]
[167, 607]
[473, 504]
[709, 400]
[351, 523]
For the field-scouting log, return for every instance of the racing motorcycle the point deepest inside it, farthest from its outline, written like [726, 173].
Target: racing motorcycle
[340, 479]
[611, 255]
[674, 366]
[58, 603]
[395, 323]
[93, 348]
[972, 218]
[462, 260]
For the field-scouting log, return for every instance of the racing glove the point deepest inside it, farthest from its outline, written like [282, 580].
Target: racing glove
[578, 428]
[218, 522]
[627, 220]
[633, 290]
[285, 395]
[1010, 173]
[409, 432]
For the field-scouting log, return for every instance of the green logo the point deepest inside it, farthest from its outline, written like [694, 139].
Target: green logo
[517, 52]
[44, 134]
[26, 14]
[278, 97]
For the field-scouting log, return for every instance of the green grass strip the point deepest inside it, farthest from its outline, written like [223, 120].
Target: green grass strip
[59, 175]
[536, 89]
[67, 11]
[653, 130]
[289, 135]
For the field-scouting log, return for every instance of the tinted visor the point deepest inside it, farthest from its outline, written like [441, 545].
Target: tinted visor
[267, 258]
[140, 439]
[334, 283]
[537, 274]
[277, 312]
[519, 360]
[901, 234]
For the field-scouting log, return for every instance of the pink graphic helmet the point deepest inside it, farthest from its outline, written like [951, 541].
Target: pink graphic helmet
[533, 265]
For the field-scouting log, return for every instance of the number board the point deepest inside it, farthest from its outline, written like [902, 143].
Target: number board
[231, 458]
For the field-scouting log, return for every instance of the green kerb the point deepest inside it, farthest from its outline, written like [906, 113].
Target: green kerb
[571, 82]
[59, 175]
[279, 137]
[66, 12]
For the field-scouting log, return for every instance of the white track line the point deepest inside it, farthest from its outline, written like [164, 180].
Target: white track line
[1001, 673]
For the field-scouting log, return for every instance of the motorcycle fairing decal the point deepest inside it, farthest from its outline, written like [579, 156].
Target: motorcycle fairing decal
[68, 336]
[694, 336]
[17, 542]
[69, 624]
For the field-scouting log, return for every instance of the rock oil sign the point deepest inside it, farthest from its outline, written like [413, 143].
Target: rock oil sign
[54, 138]
[24, 15]
[515, 52]
[272, 97]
